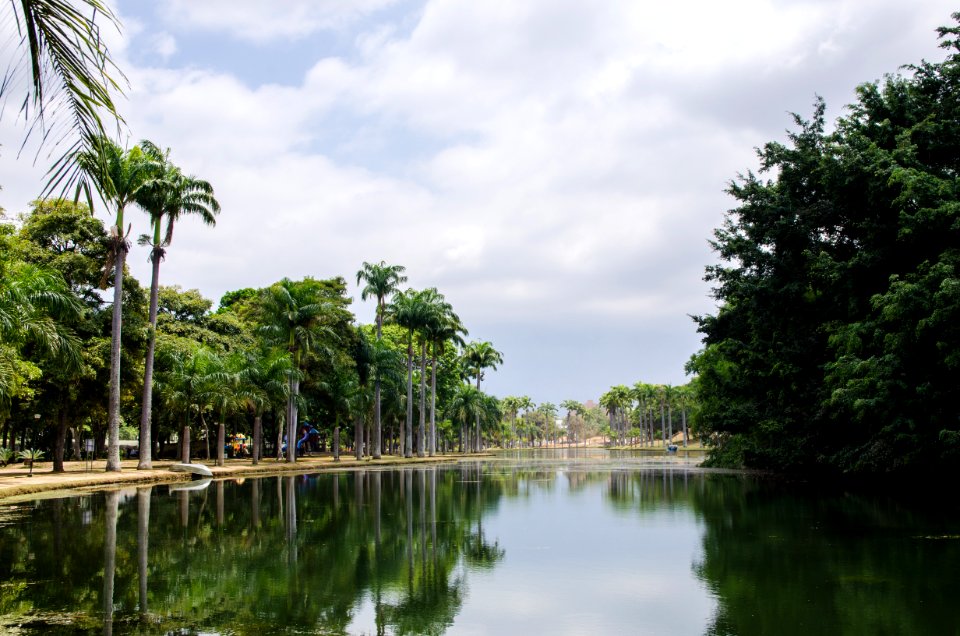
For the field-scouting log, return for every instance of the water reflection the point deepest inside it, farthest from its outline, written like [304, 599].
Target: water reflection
[504, 547]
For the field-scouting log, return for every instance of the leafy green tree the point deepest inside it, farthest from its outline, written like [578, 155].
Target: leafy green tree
[834, 348]
[166, 197]
[293, 317]
[64, 236]
[263, 387]
[188, 391]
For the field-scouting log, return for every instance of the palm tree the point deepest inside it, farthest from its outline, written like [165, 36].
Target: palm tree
[119, 176]
[549, 413]
[435, 309]
[382, 280]
[187, 390]
[34, 303]
[479, 356]
[263, 385]
[445, 328]
[166, 199]
[572, 406]
[465, 406]
[510, 406]
[409, 311]
[292, 315]
[70, 71]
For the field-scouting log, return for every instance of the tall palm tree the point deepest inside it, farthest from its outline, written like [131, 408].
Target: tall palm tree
[119, 176]
[572, 406]
[71, 83]
[479, 356]
[165, 198]
[433, 307]
[292, 318]
[444, 329]
[409, 311]
[381, 280]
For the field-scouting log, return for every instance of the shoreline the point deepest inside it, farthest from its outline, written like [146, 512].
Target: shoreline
[78, 477]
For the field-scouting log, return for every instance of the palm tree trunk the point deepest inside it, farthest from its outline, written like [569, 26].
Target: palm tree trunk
[423, 399]
[408, 446]
[292, 420]
[221, 441]
[683, 417]
[146, 450]
[185, 443]
[336, 442]
[113, 419]
[433, 404]
[377, 429]
[61, 439]
[477, 446]
[206, 434]
[257, 437]
[358, 437]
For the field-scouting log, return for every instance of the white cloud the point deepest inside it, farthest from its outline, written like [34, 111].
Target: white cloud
[260, 21]
[536, 161]
[164, 44]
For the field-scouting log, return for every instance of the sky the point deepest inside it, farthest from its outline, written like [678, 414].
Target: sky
[555, 168]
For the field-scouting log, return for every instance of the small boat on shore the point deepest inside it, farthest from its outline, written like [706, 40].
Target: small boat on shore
[199, 471]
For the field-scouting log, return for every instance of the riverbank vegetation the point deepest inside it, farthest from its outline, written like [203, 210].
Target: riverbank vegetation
[835, 347]
[285, 361]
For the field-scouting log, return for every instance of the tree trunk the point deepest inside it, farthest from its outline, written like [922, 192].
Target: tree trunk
[408, 440]
[113, 419]
[75, 434]
[185, 444]
[336, 443]
[221, 441]
[61, 440]
[292, 420]
[433, 405]
[421, 442]
[257, 437]
[146, 449]
[683, 417]
[477, 447]
[358, 438]
[377, 426]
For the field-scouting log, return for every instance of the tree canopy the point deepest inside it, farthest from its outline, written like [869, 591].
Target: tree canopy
[835, 345]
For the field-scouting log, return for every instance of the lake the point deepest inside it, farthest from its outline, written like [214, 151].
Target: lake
[570, 542]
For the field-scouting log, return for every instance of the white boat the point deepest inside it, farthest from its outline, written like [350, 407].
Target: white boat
[199, 471]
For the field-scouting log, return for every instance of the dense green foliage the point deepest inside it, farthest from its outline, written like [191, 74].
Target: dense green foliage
[835, 347]
[265, 363]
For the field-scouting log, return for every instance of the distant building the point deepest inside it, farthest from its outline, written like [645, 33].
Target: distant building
[590, 404]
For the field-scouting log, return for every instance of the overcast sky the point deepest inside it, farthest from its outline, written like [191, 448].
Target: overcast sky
[554, 167]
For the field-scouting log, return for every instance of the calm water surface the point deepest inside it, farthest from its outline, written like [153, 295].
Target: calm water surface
[561, 544]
